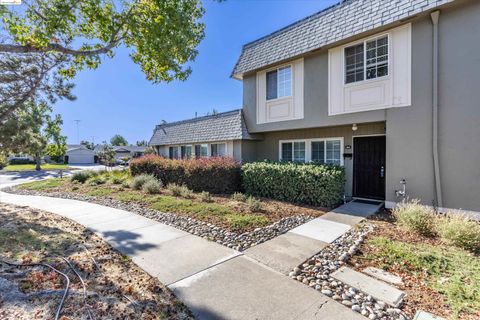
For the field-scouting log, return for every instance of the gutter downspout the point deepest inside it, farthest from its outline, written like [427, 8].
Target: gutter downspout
[436, 166]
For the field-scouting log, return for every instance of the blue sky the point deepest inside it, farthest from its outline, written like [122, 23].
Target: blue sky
[116, 98]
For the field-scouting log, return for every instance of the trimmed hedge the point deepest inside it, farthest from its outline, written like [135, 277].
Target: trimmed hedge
[215, 175]
[319, 185]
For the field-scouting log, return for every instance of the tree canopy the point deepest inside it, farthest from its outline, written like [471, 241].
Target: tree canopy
[118, 140]
[44, 43]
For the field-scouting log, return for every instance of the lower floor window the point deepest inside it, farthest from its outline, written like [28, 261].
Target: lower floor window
[173, 153]
[201, 150]
[323, 151]
[218, 149]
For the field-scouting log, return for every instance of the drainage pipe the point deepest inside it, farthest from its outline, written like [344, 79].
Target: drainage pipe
[436, 166]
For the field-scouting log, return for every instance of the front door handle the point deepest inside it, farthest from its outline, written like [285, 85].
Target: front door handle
[382, 172]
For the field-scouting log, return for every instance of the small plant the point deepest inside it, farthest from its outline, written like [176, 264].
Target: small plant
[96, 180]
[254, 205]
[179, 190]
[82, 176]
[238, 196]
[459, 231]
[126, 184]
[416, 217]
[117, 180]
[140, 180]
[152, 186]
[205, 196]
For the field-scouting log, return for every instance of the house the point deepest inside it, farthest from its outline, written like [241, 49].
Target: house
[387, 89]
[124, 152]
[219, 134]
[79, 154]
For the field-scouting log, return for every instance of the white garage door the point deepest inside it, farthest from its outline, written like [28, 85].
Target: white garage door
[79, 158]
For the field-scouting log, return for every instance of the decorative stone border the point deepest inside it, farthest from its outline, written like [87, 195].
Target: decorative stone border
[202, 229]
[316, 273]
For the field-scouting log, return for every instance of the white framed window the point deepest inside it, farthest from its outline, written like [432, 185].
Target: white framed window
[279, 83]
[201, 150]
[218, 149]
[173, 152]
[366, 60]
[321, 150]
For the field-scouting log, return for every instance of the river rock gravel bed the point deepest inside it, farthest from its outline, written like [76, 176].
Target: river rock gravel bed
[202, 229]
[316, 273]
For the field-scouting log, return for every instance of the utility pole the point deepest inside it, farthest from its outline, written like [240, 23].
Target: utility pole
[77, 122]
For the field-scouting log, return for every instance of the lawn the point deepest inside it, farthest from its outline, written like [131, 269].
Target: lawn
[111, 279]
[31, 167]
[438, 278]
[239, 214]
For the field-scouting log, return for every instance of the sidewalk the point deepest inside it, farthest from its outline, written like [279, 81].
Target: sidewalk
[215, 282]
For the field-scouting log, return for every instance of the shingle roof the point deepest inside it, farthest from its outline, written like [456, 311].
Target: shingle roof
[223, 126]
[99, 147]
[338, 22]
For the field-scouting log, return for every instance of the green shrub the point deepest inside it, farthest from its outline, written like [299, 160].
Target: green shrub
[205, 196]
[139, 181]
[152, 186]
[319, 185]
[20, 161]
[457, 230]
[215, 175]
[238, 196]
[415, 217]
[82, 176]
[3, 162]
[254, 205]
[96, 180]
[180, 190]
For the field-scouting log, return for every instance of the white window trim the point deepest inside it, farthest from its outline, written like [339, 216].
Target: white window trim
[364, 41]
[291, 82]
[308, 147]
[219, 143]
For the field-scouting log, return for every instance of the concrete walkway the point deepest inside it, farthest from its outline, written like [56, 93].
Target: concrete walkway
[215, 282]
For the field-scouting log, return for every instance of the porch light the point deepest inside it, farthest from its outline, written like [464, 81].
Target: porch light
[354, 127]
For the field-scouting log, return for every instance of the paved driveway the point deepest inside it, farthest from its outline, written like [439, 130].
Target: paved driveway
[11, 178]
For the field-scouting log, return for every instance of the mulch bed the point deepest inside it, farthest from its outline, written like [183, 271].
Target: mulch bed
[116, 287]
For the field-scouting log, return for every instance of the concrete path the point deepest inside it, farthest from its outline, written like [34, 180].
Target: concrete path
[215, 282]
[289, 250]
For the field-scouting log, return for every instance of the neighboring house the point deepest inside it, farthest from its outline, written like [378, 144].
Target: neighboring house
[220, 134]
[387, 89]
[79, 154]
[122, 152]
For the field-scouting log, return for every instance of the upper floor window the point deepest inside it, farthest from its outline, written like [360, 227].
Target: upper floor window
[279, 83]
[367, 60]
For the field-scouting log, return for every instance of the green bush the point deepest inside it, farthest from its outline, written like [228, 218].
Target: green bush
[215, 175]
[21, 161]
[319, 185]
[254, 205]
[416, 217]
[238, 196]
[3, 162]
[180, 190]
[152, 186]
[459, 231]
[82, 176]
[205, 196]
[138, 181]
[96, 180]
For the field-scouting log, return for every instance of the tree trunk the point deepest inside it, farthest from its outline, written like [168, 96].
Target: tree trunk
[38, 161]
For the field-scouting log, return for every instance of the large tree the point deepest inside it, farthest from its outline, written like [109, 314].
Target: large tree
[36, 132]
[118, 140]
[161, 35]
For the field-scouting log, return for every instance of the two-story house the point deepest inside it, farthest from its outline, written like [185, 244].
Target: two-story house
[388, 89]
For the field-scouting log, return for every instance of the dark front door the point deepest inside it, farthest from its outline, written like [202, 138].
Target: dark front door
[369, 167]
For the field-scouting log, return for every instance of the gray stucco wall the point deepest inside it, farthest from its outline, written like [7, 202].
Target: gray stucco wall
[315, 101]
[267, 149]
[409, 130]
